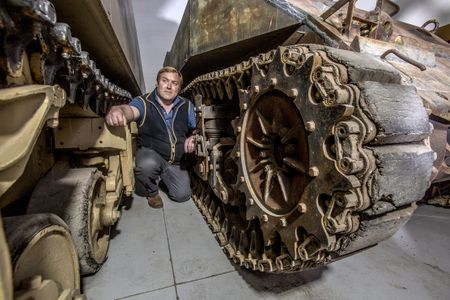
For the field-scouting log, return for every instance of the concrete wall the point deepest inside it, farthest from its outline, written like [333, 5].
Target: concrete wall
[156, 23]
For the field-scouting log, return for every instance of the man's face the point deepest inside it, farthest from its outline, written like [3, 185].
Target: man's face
[168, 86]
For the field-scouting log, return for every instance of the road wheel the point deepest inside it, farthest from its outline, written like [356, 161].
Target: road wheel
[45, 264]
[78, 196]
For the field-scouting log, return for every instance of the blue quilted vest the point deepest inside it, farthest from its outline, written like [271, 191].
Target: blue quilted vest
[155, 134]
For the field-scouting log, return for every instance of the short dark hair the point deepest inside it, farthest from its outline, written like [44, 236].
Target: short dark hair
[169, 69]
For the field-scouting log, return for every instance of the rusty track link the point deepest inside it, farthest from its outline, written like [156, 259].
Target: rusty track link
[311, 157]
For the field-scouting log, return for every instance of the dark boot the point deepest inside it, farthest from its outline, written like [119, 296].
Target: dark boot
[155, 201]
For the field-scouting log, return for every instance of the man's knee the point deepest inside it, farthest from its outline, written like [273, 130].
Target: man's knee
[147, 164]
[181, 195]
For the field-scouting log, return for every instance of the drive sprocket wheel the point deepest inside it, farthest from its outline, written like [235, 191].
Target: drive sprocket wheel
[331, 153]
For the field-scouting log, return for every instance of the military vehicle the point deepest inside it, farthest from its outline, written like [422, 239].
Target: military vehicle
[63, 172]
[320, 125]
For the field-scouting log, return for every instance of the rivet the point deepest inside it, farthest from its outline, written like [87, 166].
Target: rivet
[283, 222]
[255, 89]
[238, 154]
[239, 129]
[251, 201]
[302, 207]
[273, 82]
[244, 106]
[242, 179]
[265, 218]
[313, 172]
[293, 93]
[310, 126]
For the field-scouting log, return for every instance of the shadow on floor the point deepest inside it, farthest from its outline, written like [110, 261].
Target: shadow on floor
[279, 283]
[126, 203]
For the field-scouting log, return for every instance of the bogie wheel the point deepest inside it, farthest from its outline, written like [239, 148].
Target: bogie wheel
[45, 265]
[78, 197]
[331, 153]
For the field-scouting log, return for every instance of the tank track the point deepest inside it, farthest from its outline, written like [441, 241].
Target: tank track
[35, 49]
[307, 154]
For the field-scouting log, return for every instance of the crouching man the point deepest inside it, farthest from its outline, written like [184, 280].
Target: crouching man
[165, 122]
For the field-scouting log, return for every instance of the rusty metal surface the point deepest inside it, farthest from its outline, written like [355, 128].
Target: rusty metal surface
[308, 153]
[208, 25]
[312, 152]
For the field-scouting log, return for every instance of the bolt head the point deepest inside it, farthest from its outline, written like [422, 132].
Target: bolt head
[250, 201]
[244, 106]
[265, 218]
[242, 179]
[310, 126]
[293, 93]
[255, 89]
[313, 172]
[239, 129]
[302, 208]
[238, 154]
[273, 82]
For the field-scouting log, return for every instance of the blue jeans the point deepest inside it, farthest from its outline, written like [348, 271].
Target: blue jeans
[151, 168]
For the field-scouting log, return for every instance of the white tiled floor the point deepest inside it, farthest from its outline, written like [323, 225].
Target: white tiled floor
[170, 253]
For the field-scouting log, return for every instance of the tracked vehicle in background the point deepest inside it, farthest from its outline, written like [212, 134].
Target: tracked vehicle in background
[63, 172]
[320, 125]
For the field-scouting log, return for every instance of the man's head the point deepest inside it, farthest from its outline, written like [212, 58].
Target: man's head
[168, 83]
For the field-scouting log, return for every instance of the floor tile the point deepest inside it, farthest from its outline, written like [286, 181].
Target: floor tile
[234, 286]
[138, 258]
[426, 237]
[195, 252]
[393, 269]
[165, 294]
[413, 264]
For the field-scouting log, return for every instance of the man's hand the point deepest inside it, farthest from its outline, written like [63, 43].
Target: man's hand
[116, 117]
[189, 144]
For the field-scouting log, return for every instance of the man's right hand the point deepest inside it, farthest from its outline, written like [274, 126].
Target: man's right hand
[116, 117]
[120, 115]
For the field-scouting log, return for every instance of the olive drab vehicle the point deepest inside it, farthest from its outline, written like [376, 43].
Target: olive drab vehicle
[63, 172]
[320, 125]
